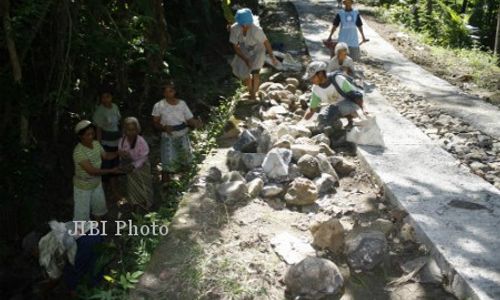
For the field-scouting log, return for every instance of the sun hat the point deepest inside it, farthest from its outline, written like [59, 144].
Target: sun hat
[244, 16]
[313, 68]
[82, 125]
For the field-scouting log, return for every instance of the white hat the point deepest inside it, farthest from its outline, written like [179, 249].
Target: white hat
[313, 68]
[82, 125]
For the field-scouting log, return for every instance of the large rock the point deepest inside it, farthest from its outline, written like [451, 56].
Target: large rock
[275, 164]
[304, 141]
[341, 166]
[233, 191]
[294, 172]
[272, 190]
[328, 234]
[255, 187]
[252, 160]
[265, 85]
[256, 173]
[293, 130]
[233, 160]
[232, 176]
[326, 167]
[325, 149]
[326, 184]
[365, 249]
[291, 88]
[263, 137]
[246, 142]
[293, 81]
[299, 150]
[308, 165]
[214, 175]
[301, 191]
[321, 138]
[275, 87]
[313, 278]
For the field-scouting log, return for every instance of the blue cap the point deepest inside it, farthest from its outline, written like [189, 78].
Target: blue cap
[244, 16]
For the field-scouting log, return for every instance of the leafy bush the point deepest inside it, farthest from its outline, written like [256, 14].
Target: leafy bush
[443, 27]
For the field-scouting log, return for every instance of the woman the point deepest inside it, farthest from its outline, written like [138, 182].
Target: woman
[87, 186]
[134, 151]
[173, 118]
[350, 23]
[341, 61]
[250, 45]
[107, 120]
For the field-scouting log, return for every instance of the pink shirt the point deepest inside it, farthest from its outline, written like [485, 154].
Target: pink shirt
[139, 154]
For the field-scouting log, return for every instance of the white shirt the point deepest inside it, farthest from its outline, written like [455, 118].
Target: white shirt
[255, 35]
[172, 115]
[327, 96]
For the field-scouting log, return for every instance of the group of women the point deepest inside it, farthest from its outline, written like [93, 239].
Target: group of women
[104, 152]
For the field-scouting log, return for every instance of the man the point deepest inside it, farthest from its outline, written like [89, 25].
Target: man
[350, 22]
[327, 90]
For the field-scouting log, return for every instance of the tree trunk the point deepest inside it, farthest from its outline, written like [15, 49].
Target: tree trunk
[16, 66]
[464, 7]
[497, 38]
[156, 34]
[428, 8]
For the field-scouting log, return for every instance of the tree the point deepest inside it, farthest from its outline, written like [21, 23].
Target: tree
[497, 38]
[16, 66]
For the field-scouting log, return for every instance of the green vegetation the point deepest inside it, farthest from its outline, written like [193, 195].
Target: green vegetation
[55, 56]
[444, 22]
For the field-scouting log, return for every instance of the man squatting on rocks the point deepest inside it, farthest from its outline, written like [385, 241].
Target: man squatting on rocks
[325, 94]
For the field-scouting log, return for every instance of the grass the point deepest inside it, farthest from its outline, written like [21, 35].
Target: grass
[482, 66]
[129, 256]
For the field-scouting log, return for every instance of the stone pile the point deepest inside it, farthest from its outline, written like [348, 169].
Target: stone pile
[479, 151]
[280, 158]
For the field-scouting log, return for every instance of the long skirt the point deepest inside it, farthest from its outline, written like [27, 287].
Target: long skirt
[257, 55]
[176, 153]
[140, 186]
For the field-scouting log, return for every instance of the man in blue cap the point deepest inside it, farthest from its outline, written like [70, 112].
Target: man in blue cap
[250, 45]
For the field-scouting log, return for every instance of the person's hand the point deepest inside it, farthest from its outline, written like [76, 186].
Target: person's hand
[198, 123]
[247, 62]
[116, 170]
[309, 114]
[123, 153]
[329, 39]
[168, 129]
[274, 60]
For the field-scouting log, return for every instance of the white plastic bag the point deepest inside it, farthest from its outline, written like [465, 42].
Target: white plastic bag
[366, 132]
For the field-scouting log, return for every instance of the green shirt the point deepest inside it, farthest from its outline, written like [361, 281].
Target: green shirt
[82, 179]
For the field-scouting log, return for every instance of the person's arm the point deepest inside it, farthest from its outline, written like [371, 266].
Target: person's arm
[269, 49]
[109, 155]
[313, 106]
[157, 124]
[336, 23]
[238, 52]
[91, 170]
[359, 24]
[310, 112]
[98, 134]
[194, 123]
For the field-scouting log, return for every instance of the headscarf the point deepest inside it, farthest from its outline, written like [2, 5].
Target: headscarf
[341, 46]
[244, 16]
